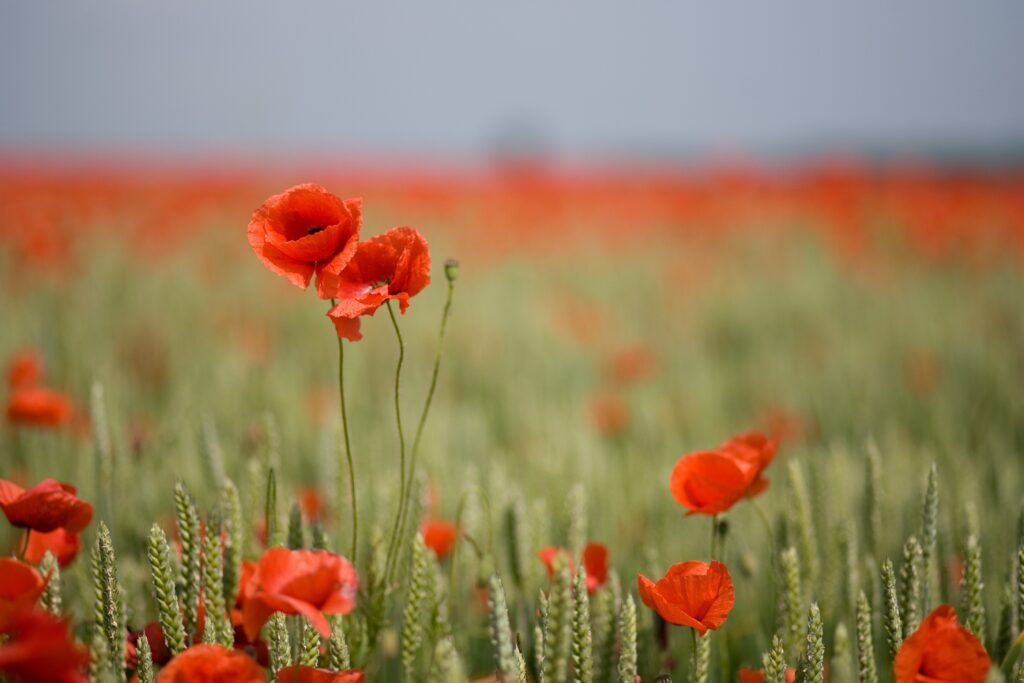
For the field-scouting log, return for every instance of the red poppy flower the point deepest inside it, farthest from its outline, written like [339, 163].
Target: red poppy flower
[941, 651]
[709, 482]
[20, 587]
[40, 648]
[630, 364]
[312, 503]
[307, 674]
[609, 413]
[595, 563]
[39, 407]
[25, 369]
[46, 506]
[395, 265]
[65, 546]
[307, 230]
[756, 450]
[439, 536]
[694, 594]
[306, 582]
[211, 664]
[751, 676]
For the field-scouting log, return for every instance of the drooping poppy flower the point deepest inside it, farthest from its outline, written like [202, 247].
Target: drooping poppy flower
[307, 230]
[25, 369]
[63, 544]
[694, 594]
[595, 563]
[308, 674]
[39, 407]
[39, 648]
[756, 450]
[710, 482]
[751, 676]
[211, 664]
[439, 536]
[306, 582]
[394, 265]
[46, 506]
[20, 587]
[941, 651]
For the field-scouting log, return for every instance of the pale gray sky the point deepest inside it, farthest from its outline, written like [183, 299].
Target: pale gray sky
[440, 77]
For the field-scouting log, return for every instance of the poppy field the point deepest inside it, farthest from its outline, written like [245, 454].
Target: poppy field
[733, 423]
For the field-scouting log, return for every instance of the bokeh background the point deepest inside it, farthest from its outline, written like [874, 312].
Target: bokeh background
[675, 221]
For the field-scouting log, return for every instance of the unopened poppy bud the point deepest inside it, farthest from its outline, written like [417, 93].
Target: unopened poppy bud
[451, 269]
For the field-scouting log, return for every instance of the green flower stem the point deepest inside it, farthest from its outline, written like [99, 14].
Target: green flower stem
[394, 542]
[348, 450]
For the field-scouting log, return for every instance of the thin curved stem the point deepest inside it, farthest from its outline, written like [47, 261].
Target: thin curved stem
[404, 504]
[348, 450]
[393, 544]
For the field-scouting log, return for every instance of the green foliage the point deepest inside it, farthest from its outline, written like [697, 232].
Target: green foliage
[505, 663]
[278, 643]
[582, 639]
[813, 660]
[910, 586]
[791, 612]
[841, 664]
[891, 610]
[296, 536]
[338, 658]
[627, 641]
[700, 659]
[51, 599]
[929, 537]
[415, 606]
[872, 501]
[109, 603]
[234, 543]
[273, 528]
[309, 654]
[973, 605]
[558, 626]
[164, 590]
[190, 537]
[801, 524]
[144, 668]
[866, 671]
[774, 662]
[218, 627]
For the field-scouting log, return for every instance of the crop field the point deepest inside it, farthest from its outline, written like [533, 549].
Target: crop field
[793, 392]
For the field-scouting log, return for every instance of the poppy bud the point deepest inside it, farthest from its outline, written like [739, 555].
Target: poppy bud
[451, 269]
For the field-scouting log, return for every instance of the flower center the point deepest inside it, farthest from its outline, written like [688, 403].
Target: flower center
[312, 230]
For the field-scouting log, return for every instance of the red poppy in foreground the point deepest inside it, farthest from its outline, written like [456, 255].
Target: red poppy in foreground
[710, 482]
[63, 544]
[20, 587]
[39, 648]
[439, 536]
[307, 674]
[307, 230]
[694, 594]
[941, 651]
[211, 664]
[25, 369]
[751, 676]
[39, 407]
[394, 265]
[595, 563]
[306, 582]
[47, 506]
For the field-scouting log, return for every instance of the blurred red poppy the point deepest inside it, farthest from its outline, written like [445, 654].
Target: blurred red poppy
[751, 676]
[311, 503]
[756, 450]
[709, 482]
[630, 364]
[65, 546]
[39, 648]
[595, 563]
[20, 587]
[394, 265]
[694, 594]
[211, 664]
[439, 536]
[39, 407]
[609, 413]
[25, 369]
[941, 651]
[306, 582]
[46, 506]
[307, 674]
[307, 230]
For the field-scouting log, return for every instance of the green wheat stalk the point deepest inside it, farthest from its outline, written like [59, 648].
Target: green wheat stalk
[168, 610]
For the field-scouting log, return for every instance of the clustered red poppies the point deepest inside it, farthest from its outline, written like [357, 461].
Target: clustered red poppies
[595, 563]
[306, 230]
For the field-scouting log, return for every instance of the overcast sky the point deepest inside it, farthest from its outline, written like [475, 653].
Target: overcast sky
[443, 78]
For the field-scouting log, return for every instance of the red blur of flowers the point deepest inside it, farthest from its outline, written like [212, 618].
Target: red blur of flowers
[609, 413]
[47, 506]
[595, 563]
[307, 674]
[394, 265]
[20, 587]
[63, 544]
[211, 664]
[439, 536]
[630, 364]
[751, 676]
[694, 594]
[941, 651]
[306, 582]
[311, 503]
[710, 482]
[39, 648]
[25, 369]
[39, 407]
[307, 230]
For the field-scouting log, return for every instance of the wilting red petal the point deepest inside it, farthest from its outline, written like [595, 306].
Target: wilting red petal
[941, 651]
[709, 482]
[211, 664]
[46, 506]
[307, 674]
